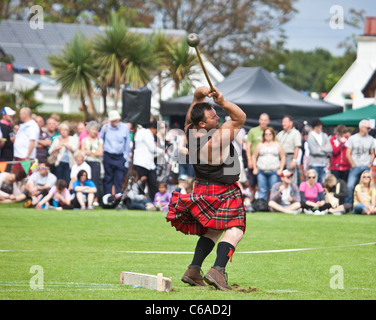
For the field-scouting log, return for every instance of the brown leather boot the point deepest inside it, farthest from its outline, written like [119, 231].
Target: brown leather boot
[216, 277]
[193, 276]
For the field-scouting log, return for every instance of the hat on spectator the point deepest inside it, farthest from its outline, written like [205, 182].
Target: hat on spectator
[286, 173]
[114, 115]
[8, 111]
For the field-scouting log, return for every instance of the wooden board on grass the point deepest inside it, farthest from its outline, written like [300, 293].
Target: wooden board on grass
[147, 281]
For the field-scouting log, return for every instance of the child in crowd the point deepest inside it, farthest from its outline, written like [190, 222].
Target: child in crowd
[162, 197]
[59, 197]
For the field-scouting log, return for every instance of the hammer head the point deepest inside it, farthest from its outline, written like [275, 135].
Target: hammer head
[193, 40]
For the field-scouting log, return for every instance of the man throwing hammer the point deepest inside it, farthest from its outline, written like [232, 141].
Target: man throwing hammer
[215, 207]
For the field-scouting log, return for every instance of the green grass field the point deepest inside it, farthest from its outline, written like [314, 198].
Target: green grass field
[82, 254]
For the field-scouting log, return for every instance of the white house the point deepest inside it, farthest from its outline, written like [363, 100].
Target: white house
[348, 90]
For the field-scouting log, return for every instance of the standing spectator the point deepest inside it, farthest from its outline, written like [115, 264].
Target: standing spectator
[285, 196]
[84, 191]
[116, 146]
[163, 167]
[65, 146]
[340, 167]
[144, 153]
[268, 162]
[312, 195]
[291, 142]
[185, 168]
[44, 140]
[360, 153]
[6, 126]
[253, 138]
[39, 184]
[365, 195]
[239, 147]
[25, 144]
[92, 146]
[52, 127]
[82, 131]
[319, 150]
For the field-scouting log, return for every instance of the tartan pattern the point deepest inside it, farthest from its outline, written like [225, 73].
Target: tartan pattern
[210, 205]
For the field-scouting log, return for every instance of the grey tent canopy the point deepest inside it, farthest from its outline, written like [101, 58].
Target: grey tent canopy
[256, 91]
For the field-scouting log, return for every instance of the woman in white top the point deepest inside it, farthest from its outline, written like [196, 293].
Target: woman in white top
[268, 162]
[65, 146]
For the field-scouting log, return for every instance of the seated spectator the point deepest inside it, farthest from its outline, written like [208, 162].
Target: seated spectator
[39, 184]
[284, 196]
[57, 198]
[80, 164]
[312, 195]
[319, 150]
[84, 191]
[137, 199]
[335, 194]
[365, 195]
[11, 187]
[162, 197]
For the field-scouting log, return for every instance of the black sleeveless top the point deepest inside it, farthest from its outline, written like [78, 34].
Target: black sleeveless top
[225, 173]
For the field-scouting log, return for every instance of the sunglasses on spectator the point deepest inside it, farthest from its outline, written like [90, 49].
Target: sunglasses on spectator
[366, 177]
[311, 177]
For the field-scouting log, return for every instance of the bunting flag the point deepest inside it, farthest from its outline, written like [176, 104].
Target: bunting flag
[26, 165]
[3, 166]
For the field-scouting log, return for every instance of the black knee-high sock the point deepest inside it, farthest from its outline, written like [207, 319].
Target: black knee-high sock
[203, 248]
[225, 251]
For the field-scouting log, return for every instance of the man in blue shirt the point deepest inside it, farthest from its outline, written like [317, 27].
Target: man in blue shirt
[116, 147]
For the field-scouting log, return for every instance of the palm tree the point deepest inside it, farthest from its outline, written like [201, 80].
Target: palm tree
[141, 60]
[76, 69]
[179, 64]
[109, 48]
[124, 57]
[25, 98]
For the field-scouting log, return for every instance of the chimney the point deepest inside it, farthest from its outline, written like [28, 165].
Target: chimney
[370, 26]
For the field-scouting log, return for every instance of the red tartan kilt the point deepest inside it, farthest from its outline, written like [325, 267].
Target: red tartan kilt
[214, 206]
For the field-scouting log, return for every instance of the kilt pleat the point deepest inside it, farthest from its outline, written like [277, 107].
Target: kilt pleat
[214, 206]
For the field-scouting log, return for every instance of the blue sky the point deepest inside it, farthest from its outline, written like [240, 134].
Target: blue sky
[310, 28]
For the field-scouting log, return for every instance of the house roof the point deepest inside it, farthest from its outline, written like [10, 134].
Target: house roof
[370, 87]
[30, 47]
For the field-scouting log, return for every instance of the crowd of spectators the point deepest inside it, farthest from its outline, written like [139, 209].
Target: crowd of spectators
[83, 165]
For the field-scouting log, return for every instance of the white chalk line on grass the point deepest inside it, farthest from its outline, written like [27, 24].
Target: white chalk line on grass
[186, 252]
[252, 252]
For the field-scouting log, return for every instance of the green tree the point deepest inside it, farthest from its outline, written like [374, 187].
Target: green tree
[26, 98]
[180, 63]
[76, 69]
